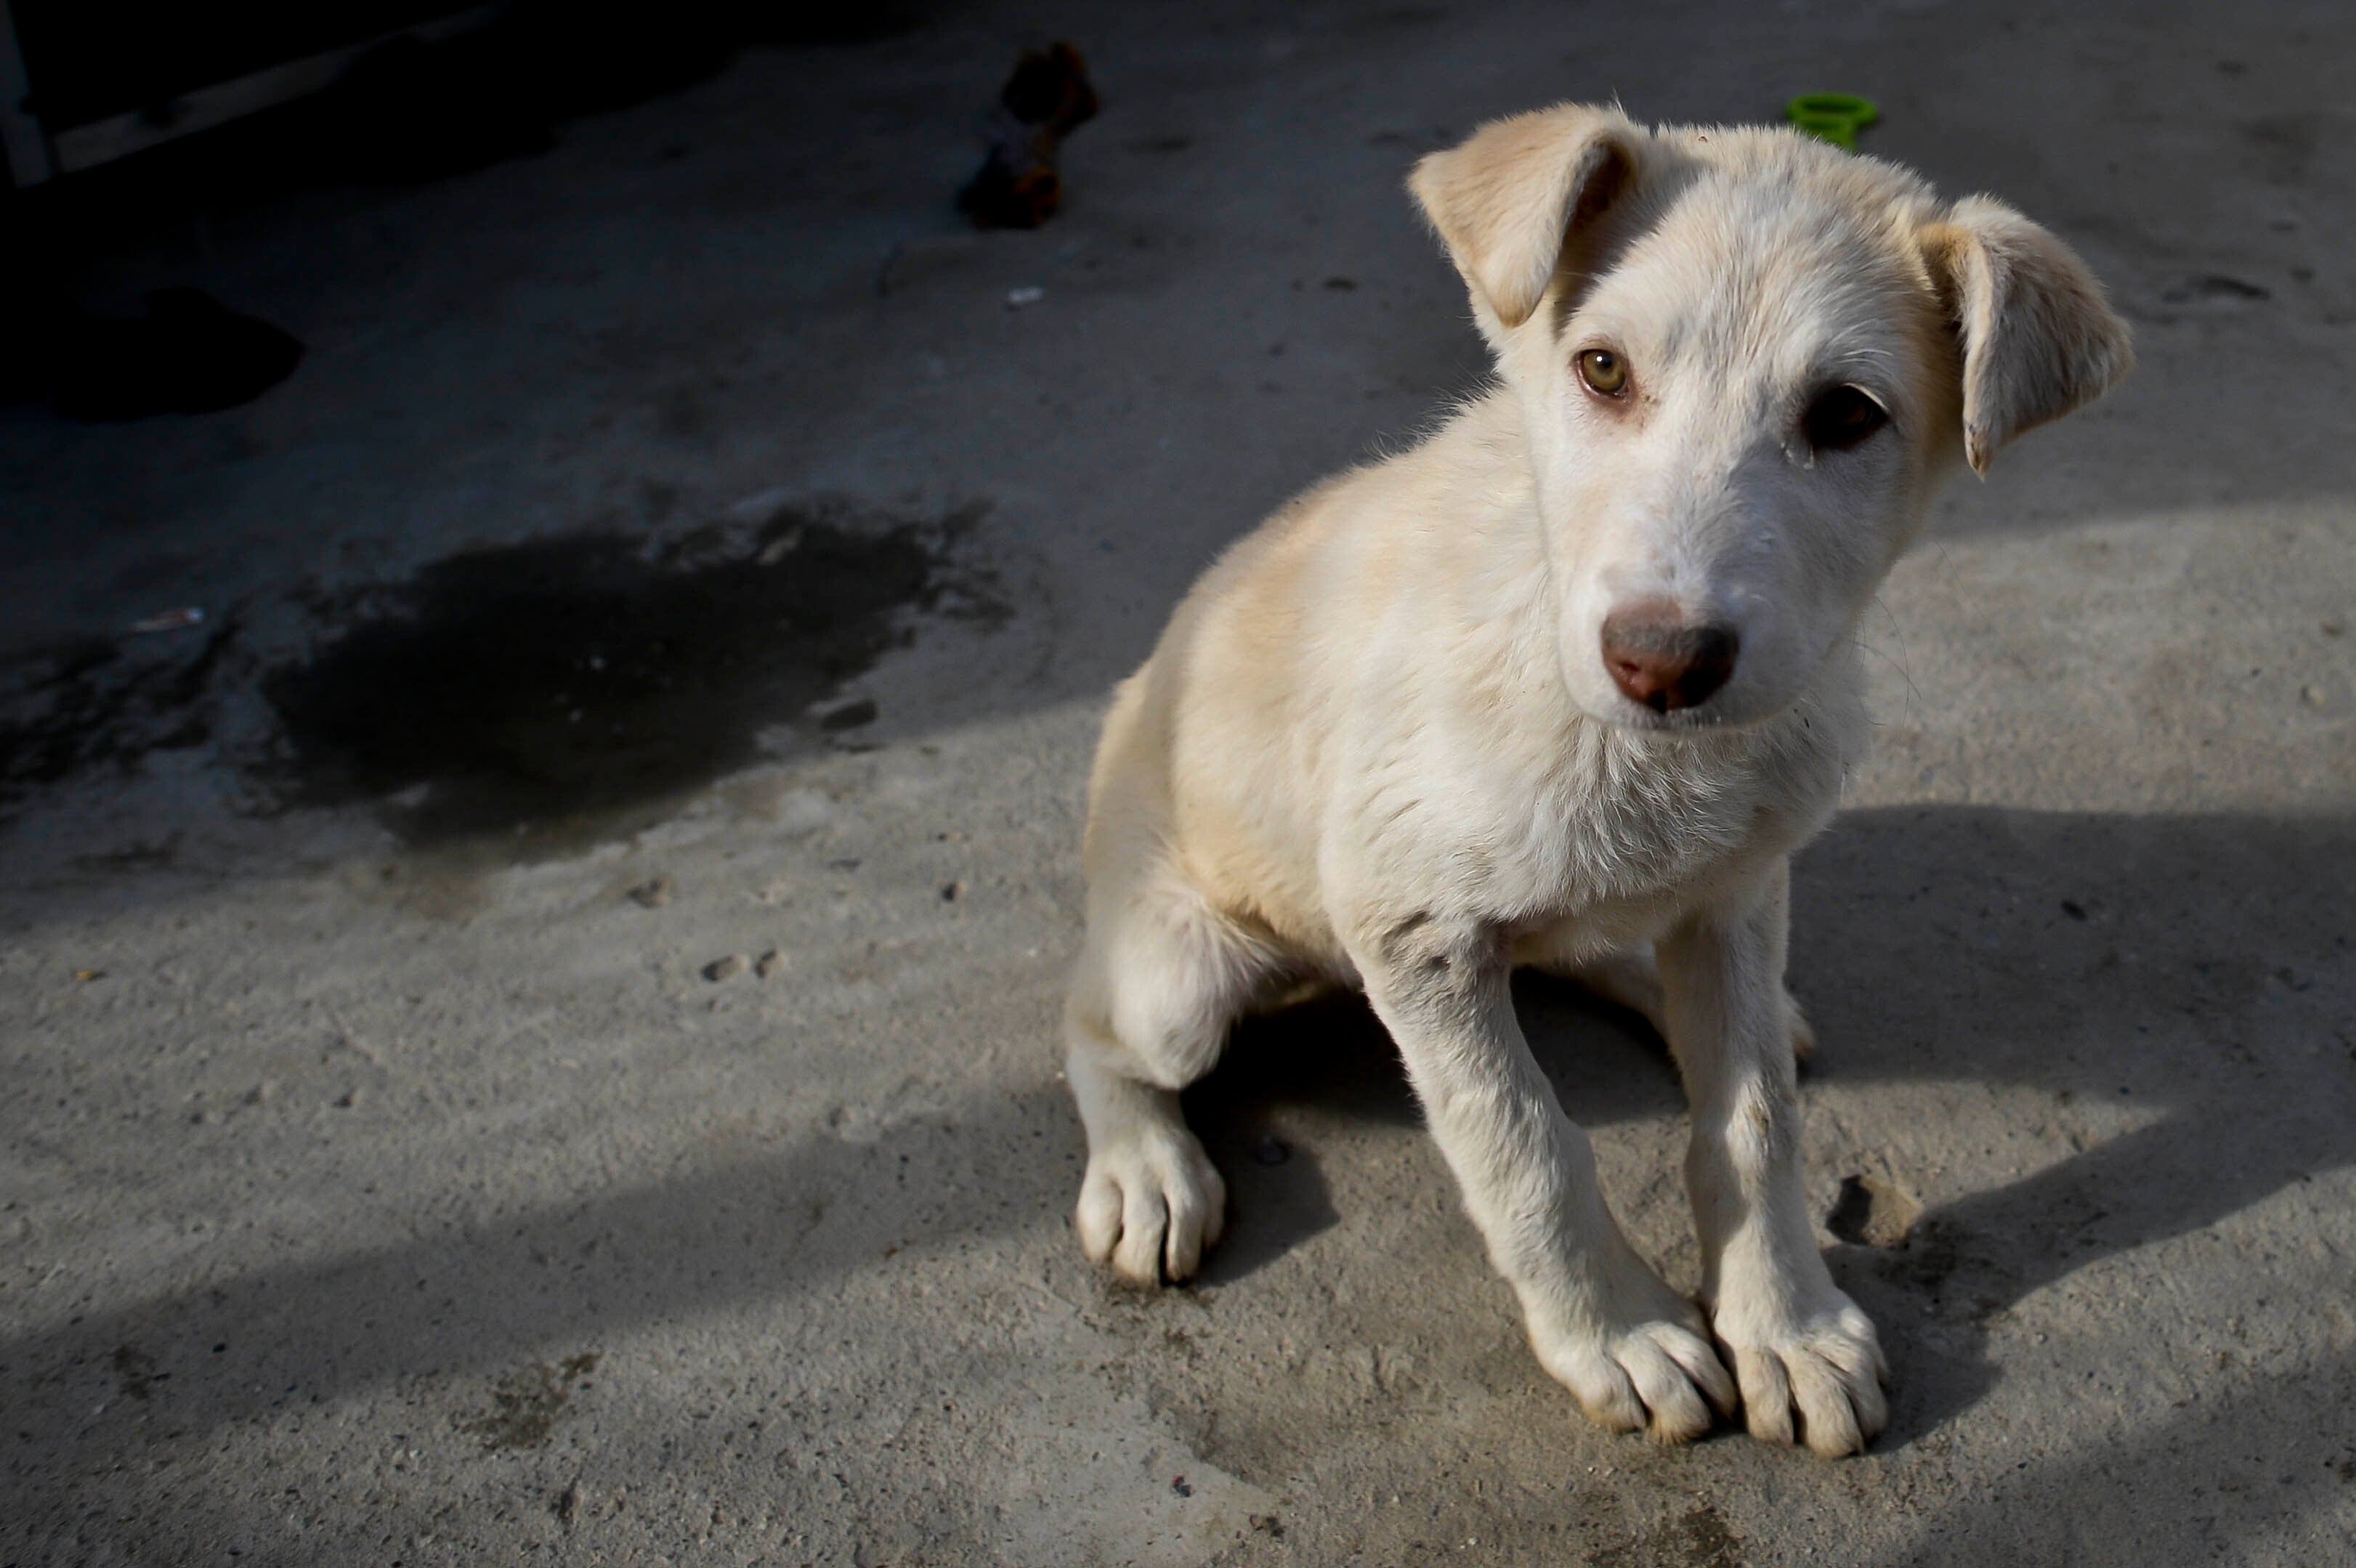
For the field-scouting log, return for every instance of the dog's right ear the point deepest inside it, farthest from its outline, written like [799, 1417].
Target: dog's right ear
[1506, 202]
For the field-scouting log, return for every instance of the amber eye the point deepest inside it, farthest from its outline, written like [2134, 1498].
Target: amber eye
[1603, 371]
[1842, 417]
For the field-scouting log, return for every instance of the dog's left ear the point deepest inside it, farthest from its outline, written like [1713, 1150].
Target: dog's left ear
[1506, 202]
[2038, 338]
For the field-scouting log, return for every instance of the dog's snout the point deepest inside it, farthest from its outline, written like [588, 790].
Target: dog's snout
[1659, 658]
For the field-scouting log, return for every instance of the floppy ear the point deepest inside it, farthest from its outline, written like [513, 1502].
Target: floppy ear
[2038, 338]
[1505, 200]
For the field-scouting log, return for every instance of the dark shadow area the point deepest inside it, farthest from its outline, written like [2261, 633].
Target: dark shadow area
[519, 1289]
[1285, 1076]
[409, 110]
[102, 703]
[186, 353]
[1292, 1074]
[2193, 971]
[2164, 1493]
[1605, 1062]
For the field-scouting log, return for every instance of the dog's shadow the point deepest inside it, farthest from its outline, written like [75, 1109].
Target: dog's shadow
[1327, 1059]
[1289, 1076]
[2163, 1008]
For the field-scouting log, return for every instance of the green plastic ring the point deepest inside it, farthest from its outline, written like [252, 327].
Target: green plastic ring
[1836, 117]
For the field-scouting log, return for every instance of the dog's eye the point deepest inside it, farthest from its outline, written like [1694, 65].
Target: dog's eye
[1843, 418]
[1603, 371]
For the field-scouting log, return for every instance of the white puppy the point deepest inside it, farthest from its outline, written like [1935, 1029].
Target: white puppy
[1565, 685]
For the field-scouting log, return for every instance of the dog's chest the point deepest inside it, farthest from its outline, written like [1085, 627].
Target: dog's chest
[1619, 832]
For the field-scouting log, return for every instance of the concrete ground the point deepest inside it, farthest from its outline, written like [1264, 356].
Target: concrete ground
[675, 551]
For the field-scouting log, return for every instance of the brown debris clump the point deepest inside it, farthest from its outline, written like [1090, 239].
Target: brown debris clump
[1047, 98]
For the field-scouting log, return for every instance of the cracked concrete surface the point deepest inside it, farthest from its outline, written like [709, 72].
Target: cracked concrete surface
[384, 1183]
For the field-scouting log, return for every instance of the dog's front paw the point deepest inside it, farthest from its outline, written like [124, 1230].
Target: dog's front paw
[1658, 1375]
[1813, 1376]
[1151, 1205]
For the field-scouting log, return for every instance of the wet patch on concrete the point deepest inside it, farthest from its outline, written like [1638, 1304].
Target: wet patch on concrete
[1700, 1538]
[134, 1372]
[525, 1404]
[562, 691]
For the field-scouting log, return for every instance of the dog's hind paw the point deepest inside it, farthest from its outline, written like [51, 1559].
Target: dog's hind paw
[1150, 1206]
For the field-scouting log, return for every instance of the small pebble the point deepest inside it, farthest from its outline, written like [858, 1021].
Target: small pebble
[653, 894]
[347, 1099]
[2314, 695]
[768, 963]
[568, 1505]
[257, 1095]
[726, 968]
[953, 892]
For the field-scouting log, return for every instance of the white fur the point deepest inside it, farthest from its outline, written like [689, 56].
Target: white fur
[1378, 745]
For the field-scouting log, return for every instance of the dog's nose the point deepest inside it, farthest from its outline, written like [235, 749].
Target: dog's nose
[1659, 658]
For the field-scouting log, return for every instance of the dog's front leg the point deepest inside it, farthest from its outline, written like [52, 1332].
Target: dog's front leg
[1810, 1367]
[1602, 1323]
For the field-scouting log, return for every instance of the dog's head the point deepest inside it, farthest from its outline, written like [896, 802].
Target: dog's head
[1744, 361]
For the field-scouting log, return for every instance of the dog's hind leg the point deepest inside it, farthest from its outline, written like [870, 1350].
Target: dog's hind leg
[1629, 979]
[1161, 978]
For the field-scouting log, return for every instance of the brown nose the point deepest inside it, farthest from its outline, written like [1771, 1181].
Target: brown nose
[1659, 658]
